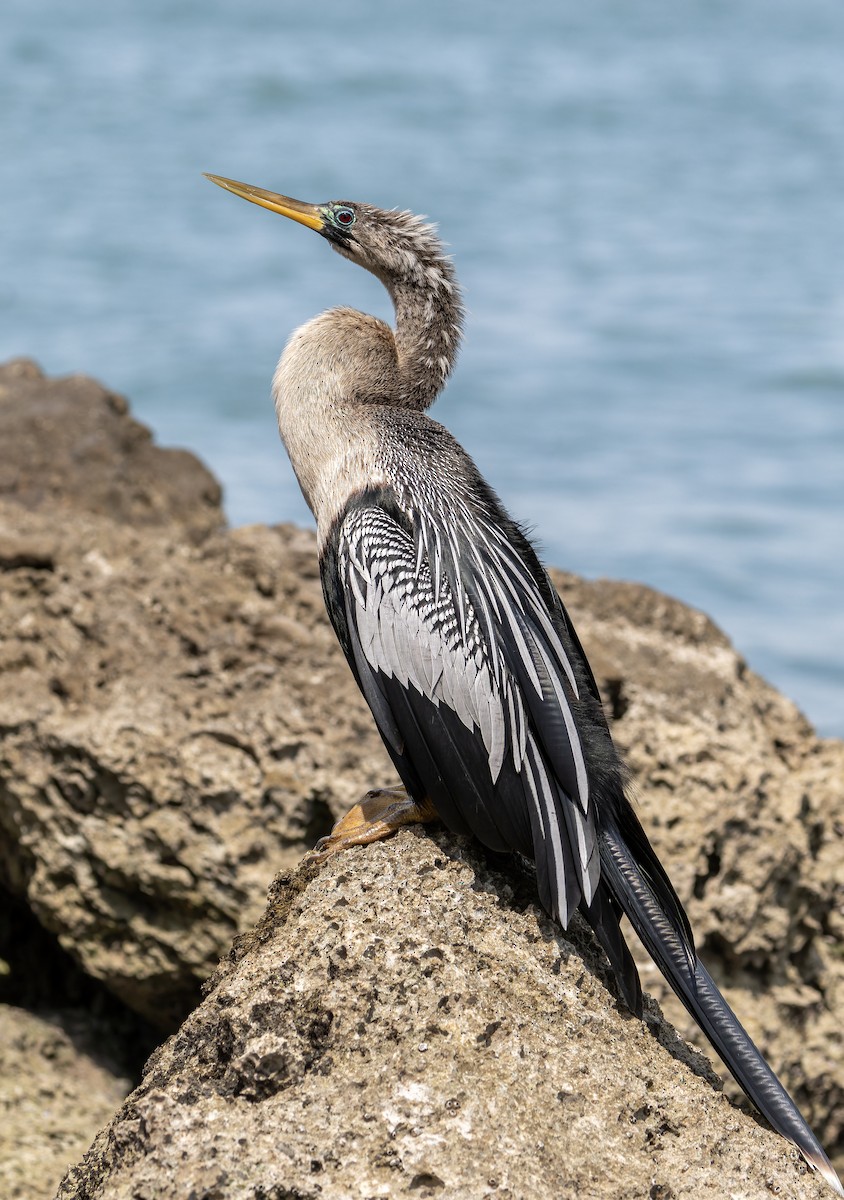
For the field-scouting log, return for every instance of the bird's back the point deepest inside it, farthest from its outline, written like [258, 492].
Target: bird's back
[468, 660]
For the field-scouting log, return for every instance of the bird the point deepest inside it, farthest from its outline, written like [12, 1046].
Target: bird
[459, 642]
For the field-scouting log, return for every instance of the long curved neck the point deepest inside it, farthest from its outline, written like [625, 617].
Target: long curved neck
[429, 316]
[342, 368]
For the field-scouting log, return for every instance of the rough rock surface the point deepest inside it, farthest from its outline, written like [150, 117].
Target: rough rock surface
[69, 445]
[166, 743]
[400, 1025]
[53, 1094]
[177, 723]
[745, 805]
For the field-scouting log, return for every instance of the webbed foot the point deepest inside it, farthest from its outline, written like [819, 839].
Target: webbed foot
[380, 813]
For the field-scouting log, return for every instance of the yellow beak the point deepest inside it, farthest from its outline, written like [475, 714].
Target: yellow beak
[305, 214]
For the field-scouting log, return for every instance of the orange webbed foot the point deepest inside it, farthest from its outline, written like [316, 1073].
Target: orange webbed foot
[379, 814]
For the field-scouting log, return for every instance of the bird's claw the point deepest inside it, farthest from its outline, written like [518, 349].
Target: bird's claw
[320, 852]
[379, 814]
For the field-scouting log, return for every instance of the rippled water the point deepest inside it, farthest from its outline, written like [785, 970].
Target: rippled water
[645, 205]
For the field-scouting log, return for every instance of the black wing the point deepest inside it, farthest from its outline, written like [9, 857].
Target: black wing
[470, 684]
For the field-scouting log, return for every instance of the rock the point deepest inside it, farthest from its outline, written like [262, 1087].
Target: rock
[177, 723]
[164, 746]
[53, 1093]
[70, 445]
[744, 804]
[403, 1023]
[69, 1053]
[165, 743]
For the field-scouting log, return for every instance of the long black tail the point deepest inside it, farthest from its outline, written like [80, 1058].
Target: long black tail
[639, 885]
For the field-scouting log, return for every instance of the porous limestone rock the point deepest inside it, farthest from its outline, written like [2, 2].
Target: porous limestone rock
[177, 724]
[55, 1089]
[745, 806]
[405, 1022]
[69, 445]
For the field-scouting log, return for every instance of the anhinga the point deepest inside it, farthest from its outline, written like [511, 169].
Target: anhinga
[459, 642]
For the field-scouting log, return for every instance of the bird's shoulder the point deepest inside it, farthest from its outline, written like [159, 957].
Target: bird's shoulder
[433, 479]
[433, 525]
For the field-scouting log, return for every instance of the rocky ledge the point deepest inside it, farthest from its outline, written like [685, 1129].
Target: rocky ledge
[406, 1023]
[177, 725]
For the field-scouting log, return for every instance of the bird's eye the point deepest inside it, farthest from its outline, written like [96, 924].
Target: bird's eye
[344, 217]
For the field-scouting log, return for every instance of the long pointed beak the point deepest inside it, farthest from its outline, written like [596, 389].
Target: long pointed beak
[297, 210]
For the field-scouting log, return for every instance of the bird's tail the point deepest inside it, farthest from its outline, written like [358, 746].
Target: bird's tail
[639, 885]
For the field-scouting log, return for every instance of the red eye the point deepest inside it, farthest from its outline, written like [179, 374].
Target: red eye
[344, 217]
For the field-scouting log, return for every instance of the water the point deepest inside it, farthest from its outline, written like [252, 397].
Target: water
[645, 204]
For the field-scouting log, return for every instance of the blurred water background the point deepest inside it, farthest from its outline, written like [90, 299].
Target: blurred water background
[645, 203]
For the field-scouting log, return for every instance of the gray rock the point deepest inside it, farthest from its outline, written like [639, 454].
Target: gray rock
[69, 445]
[745, 806]
[177, 724]
[400, 1024]
[53, 1093]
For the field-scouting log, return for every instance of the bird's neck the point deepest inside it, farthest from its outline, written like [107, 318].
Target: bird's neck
[333, 373]
[428, 326]
[343, 368]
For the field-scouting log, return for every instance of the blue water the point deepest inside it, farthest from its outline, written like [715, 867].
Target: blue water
[646, 205]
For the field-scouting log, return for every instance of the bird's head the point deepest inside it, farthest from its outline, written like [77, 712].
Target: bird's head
[393, 245]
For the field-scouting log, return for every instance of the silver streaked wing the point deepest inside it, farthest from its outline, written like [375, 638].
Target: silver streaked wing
[461, 621]
[413, 632]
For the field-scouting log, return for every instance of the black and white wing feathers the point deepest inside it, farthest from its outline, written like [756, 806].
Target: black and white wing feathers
[488, 708]
[469, 681]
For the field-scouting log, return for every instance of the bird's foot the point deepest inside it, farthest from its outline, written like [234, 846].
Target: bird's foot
[380, 813]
